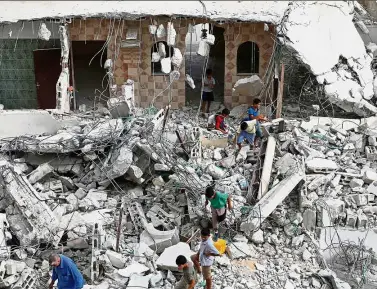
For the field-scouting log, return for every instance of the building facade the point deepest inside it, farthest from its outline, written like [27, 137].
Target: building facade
[248, 50]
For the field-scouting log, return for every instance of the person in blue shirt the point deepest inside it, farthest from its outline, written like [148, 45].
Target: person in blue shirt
[253, 113]
[203, 260]
[66, 272]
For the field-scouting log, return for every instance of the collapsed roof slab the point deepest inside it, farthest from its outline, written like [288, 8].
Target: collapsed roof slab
[310, 32]
[29, 217]
[31, 122]
[250, 11]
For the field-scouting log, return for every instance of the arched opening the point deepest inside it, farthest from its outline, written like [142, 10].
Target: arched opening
[156, 66]
[248, 58]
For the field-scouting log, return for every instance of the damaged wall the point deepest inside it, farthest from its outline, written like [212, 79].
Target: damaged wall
[236, 34]
[126, 64]
[147, 85]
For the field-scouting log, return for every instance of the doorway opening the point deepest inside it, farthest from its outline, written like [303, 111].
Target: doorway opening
[195, 64]
[91, 86]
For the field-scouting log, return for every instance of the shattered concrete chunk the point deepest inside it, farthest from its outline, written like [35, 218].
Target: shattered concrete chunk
[270, 201]
[116, 259]
[250, 86]
[30, 219]
[320, 165]
[40, 172]
[119, 163]
[167, 259]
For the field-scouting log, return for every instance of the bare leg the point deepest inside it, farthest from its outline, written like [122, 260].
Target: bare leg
[209, 283]
[195, 261]
[215, 224]
[203, 108]
[208, 106]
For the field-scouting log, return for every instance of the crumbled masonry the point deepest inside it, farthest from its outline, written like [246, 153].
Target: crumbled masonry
[120, 189]
[77, 188]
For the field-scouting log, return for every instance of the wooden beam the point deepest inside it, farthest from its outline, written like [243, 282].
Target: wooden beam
[279, 100]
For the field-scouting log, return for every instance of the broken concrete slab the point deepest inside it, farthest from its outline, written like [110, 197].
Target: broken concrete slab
[30, 219]
[40, 172]
[166, 261]
[321, 165]
[270, 201]
[267, 167]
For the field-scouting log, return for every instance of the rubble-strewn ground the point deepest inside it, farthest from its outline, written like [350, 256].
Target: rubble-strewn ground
[123, 196]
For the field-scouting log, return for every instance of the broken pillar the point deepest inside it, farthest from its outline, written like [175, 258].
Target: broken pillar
[267, 167]
[63, 101]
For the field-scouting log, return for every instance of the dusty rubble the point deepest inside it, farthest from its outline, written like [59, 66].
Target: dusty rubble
[72, 191]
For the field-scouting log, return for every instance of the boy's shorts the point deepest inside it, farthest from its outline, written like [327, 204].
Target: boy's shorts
[206, 272]
[208, 96]
[244, 135]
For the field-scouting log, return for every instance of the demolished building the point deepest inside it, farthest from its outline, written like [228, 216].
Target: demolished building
[121, 191]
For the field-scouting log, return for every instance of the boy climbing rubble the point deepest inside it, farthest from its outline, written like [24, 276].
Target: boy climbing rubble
[203, 260]
[246, 131]
[219, 202]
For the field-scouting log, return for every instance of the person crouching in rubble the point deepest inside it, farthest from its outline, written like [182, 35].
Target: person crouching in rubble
[219, 202]
[66, 272]
[246, 131]
[189, 278]
[253, 113]
[217, 121]
[203, 260]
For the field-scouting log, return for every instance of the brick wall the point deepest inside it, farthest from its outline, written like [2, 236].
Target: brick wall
[236, 34]
[135, 63]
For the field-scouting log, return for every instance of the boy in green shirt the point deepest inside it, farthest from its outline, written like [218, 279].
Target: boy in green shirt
[219, 202]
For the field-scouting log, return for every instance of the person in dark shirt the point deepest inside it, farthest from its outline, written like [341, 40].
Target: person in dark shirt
[219, 120]
[66, 272]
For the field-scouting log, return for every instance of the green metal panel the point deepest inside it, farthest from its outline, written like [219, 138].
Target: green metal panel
[17, 79]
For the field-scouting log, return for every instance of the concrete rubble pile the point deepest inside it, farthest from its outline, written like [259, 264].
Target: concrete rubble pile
[124, 197]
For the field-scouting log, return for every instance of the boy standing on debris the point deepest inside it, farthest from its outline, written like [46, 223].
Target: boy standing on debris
[246, 131]
[189, 278]
[219, 202]
[66, 272]
[205, 257]
[208, 86]
[254, 114]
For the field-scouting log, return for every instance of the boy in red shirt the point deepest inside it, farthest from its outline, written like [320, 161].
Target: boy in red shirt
[219, 120]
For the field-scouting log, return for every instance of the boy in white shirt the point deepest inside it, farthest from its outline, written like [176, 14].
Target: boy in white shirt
[246, 131]
[208, 86]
